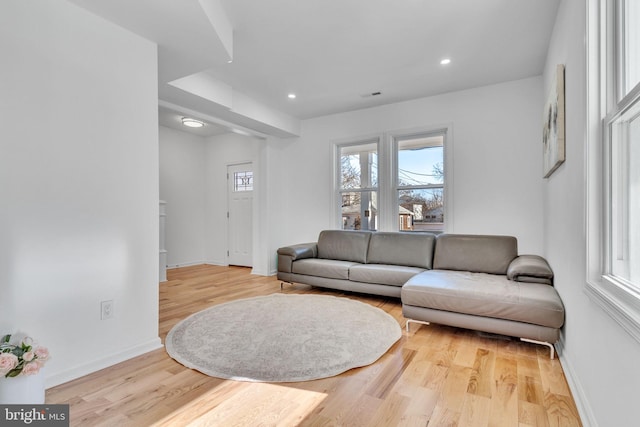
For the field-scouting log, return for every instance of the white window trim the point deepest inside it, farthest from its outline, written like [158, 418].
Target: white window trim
[337, 144]
[617, 299]
[387, 185]
[392, 138]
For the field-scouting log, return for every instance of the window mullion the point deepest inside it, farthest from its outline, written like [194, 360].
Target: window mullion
[419, 187]
[387, 185]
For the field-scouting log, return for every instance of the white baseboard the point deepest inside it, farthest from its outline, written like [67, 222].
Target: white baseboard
[579, 396]
[259, 272]
[105, 362]
[217, 262]
[185, 264]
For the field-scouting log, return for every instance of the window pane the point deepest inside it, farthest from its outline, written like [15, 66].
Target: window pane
[421, 161]
[359, 166]
[421, 210]
[243, 181]
[625, 196]
[634, 201]
[631, 44]
[359, 210]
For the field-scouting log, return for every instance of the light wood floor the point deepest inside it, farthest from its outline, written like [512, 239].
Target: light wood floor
[435, 376]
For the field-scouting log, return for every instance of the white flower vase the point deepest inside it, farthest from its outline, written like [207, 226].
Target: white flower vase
[22, 390]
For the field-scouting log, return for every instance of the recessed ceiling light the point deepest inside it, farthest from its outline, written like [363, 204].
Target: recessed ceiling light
[445, 61]
[292, 96]
[192, 123]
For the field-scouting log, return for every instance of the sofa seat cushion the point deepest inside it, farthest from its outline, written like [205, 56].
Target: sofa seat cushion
[329, 268]
[486, 295]
[382, 274]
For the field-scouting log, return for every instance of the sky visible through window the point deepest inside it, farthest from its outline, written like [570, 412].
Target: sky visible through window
[416, 166]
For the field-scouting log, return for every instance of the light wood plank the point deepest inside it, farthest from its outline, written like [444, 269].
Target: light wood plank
[435, 375]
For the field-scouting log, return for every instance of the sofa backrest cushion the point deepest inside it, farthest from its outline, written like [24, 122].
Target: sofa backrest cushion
[345, 245]
[408, 249]
[475, 253]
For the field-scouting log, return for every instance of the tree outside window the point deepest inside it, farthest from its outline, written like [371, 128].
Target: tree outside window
[420, 183]
[358, 183]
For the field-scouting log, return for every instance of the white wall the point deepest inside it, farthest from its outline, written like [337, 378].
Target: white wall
[600, 359]
[497, 172]
[182, 186]
[78, 185]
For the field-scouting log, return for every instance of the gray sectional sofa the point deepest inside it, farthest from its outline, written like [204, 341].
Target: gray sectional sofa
[468, 281]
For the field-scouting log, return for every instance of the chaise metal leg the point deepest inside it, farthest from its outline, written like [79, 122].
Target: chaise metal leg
[415, 321]
[282, 284]
[548, 344]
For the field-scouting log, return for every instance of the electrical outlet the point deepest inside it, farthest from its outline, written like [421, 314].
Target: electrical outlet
[106, 310]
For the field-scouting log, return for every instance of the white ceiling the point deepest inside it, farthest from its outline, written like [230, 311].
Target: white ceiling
[331, 53]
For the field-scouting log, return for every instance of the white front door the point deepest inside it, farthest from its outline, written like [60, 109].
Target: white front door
[240, 214]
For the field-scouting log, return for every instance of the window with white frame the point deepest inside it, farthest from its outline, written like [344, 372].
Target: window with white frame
[614, 185]
[420, 182]
[358, 184]
[623, 146]
[394, 182]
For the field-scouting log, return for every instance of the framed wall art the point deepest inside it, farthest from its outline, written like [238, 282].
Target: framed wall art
[553, 133]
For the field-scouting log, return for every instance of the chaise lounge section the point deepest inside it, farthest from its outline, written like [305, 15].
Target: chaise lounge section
[469, 281]
[480, 282]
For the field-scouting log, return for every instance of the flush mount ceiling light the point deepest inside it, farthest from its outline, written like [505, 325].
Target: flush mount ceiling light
[445, 61]
[292, 96]
[192, 123]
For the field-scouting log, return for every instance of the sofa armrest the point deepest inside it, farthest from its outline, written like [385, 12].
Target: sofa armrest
[530, 268]
[288, 254]
[303, 250]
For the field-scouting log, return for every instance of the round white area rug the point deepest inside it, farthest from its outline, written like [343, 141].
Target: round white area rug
[282, 338]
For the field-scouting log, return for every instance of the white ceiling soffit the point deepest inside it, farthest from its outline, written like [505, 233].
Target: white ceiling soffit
[333, 54]
[170, 115]
[193, 36]
[205, 93]
[205, 86]
[220, 23]
[187, 41]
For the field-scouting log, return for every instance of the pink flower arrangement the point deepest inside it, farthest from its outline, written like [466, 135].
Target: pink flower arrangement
[21, 358]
